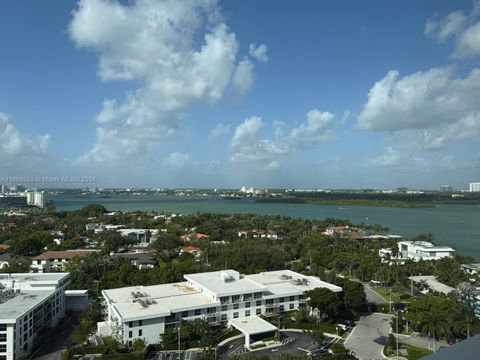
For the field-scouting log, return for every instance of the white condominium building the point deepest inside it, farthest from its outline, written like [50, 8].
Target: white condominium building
[29, 304]
[143, 312]
[475, 187]
[423, 250]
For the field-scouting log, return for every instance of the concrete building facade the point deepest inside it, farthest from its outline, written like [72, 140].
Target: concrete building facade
[29, 304]
[140, 312]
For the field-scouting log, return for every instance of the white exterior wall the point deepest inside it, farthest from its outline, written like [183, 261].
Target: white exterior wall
[22, 331]
[152, 328]
[48, 265]
[475, 187]
[423, 251]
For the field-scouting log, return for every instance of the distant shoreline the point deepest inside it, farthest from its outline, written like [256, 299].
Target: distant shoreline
[370, 202]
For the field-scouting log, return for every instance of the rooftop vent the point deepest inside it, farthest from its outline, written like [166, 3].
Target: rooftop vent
[285, 277]
[299, 282]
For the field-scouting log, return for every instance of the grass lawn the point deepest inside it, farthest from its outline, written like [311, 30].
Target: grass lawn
[385, 292]
[415, 353]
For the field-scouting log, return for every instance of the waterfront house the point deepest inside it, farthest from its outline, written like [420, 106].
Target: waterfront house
[423, 250]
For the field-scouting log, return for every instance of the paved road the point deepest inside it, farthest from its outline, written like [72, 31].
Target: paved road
[421, 342]
[369, 336]
[302, 341]
[374, 297]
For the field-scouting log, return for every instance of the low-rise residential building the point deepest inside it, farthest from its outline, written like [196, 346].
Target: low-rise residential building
[471, 269]
[193, 236]
[256, 234]
[54, 260]
[345, 232]
[29, 305]
[143, 237]
[430, 282]
[5, 260]
[193, 250]
[423, 250]
[4, 247]
[144, 312]
[142, 260]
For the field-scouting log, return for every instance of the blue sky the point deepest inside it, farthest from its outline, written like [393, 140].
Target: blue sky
[200, 93]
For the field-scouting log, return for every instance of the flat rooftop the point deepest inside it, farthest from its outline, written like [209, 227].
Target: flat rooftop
[252, 325]
[22, 302]
[432, 283]
[225, 282]
[287, 282]
[26, 291]
[165, 299]
[32, 277]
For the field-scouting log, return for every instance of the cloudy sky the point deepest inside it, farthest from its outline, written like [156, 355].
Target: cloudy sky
[206, 93]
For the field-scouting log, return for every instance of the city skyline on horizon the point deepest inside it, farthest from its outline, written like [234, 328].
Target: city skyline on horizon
[341, 94]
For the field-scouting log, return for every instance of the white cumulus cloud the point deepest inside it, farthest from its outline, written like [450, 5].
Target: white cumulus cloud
[178, 52]
[14, 145]
[259, 53]
[463, 28]
[434, 107]
[248, 145]
[220, 130]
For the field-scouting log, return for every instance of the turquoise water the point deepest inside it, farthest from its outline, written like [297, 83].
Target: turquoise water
[454, 225]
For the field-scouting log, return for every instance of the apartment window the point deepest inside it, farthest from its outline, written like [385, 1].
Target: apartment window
[3, 347]
[292, 298]
[224, 307]
[3, 337]
[140, 322]
[269, 302]
[235, 315]
[236, 306]
[281, 300]
[259, 303]
[247, 296]
[184, 313]
[211, 310]
[247, 312]
[282, 308]
[130, 333]
[130, 324]
[3, 357]
[3, 327]
[258, 295]
[258, 311]
[292, 306]
[224, 299]
[140, 332]
[247, 304]
[235, 298]
[198, 312]
[224, 317]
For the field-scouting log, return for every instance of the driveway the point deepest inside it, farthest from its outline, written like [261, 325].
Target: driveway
[369, 336]
[300, 345]
[373, 296]
[420, 341]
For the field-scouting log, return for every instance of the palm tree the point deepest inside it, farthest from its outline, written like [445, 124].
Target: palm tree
[434, 324]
